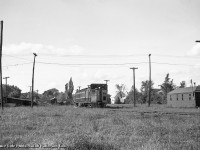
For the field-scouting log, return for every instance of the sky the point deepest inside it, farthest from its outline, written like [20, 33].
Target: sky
[96, 40]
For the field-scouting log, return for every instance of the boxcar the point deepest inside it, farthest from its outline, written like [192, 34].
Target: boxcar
[93, 96]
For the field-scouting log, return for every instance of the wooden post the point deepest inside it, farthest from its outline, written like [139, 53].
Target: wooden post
[149, 102]
[1, 43]
[6, 89]
[134, 85]
[33, 79]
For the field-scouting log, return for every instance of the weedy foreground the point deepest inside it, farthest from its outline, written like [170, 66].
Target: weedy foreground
[67, 127]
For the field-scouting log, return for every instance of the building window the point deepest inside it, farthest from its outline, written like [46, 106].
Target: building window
[182, 96]
[189, 96]
[177, 97]
[170, 98]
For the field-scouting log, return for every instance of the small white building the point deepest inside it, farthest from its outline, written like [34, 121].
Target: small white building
[184, 97]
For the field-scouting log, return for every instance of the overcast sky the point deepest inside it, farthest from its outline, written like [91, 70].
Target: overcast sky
[118, 33]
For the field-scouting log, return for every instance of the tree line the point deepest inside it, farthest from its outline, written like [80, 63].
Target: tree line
[46, 97]
[122, 96]
[158, 96]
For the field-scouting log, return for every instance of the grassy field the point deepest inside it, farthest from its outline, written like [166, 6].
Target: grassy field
[99, 129]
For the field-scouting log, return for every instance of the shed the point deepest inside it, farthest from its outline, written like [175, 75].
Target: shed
[184, 97]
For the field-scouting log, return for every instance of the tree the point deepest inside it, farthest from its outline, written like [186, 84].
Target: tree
[182, 84]
[51, 93]
[144, 90]
[130, 97]
[69, 88]
[166, 87]
[12, 91]
[62, 99]
[120, 93]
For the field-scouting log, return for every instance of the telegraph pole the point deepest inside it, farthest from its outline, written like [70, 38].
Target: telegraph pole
[149, 80]
[106, 81]
[79, 87]
[33, 78]
[6, 88]
[1, 43]
[134, 84]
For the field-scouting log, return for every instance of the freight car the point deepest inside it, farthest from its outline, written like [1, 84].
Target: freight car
[93, 96]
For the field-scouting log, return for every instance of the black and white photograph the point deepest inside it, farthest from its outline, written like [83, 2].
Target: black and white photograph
[100, 74]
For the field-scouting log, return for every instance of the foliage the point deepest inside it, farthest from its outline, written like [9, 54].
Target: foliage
[144, 91]
[51, 93]
[130, 97]
[61, 97]
[69, 88]
[182, 84]
[167, 86]
[12, 91]
[27, 95]
[120, 93]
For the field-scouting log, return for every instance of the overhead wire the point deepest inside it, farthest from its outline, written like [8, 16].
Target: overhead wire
[122, 55]
[99, 64]
[16, 57]
[18, 64]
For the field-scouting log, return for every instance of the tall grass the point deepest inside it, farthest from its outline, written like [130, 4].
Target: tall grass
[98, 129]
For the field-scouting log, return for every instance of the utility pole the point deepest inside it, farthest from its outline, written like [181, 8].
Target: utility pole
[1, 43]
[79, 87]
[33, 79]
[134, 84]
[6, 89]
[149, 80]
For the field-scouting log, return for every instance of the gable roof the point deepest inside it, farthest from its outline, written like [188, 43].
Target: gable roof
[185, 90]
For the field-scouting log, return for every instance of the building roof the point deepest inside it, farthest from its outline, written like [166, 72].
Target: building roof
[185, 90]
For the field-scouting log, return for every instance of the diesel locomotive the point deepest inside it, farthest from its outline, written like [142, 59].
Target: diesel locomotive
[94, 96]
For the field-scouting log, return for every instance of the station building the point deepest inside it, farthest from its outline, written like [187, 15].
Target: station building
[184, 97]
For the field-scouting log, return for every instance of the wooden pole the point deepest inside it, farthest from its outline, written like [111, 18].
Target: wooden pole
[6, 89]
[149, 102]
[134, 102]
[33, 79]
[1, 43]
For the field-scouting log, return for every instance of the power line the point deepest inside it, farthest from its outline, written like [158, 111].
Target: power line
[172, 64]
[91, 64]
[16, 57]
[104, 56]
[122, 56]
[177, 56]
[112, 64]
[17, 64]
[100, 64]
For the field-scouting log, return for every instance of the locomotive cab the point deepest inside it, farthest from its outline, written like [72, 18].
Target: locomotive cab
[99, 94]
[94, 95]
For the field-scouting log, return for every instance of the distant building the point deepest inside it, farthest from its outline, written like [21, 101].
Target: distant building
[184, 97]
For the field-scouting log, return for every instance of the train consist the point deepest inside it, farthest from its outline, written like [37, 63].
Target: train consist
[94, 96]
